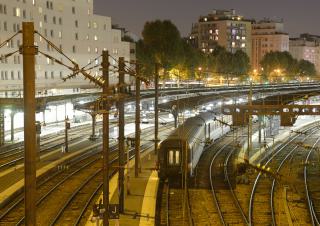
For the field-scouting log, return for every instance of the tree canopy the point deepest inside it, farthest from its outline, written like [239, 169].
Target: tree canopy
[282, 64]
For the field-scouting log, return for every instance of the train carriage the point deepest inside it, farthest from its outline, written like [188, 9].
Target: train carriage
[184, 146]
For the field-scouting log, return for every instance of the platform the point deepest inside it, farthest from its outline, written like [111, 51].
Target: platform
[140, 204]
[259, 151]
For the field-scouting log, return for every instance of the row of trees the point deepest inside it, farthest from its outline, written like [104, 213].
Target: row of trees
[163, 44]
[276, 64]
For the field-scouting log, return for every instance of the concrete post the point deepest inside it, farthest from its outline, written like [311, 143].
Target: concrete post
[93, 135]
[29, 51]
[44, 118]
[67, 127]
[2, 132]
[12, 124]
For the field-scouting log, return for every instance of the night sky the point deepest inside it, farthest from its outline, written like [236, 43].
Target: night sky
[300, 16]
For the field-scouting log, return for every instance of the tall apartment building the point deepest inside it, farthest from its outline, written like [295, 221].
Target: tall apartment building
[69, 24]
[306, 47]
[222, 27]
[267, 36]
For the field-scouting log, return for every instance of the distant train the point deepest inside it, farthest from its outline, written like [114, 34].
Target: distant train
[184, 146]
[182, 84]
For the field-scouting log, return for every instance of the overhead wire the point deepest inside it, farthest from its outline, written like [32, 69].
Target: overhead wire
[9, 39]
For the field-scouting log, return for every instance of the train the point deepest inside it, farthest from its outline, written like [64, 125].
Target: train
[183, 148]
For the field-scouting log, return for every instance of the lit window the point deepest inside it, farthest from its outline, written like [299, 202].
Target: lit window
[233, 44]
[17, 12]
[170, 158]
[33, 2]
[210, 31]
[89, 49]
[95, 38]
[60, 34]
[177, 157]
[243, 38]
[243, 45]
[205, 19]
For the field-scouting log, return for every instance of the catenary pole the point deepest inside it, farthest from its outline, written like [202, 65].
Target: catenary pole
[137, 130]
[105, 138]
[121, 134]
[29, 51]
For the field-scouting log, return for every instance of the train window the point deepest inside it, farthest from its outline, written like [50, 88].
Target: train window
[177, 157]
[171, 157]
[174, 157]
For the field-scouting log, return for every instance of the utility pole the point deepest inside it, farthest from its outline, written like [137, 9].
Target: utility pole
[28, 50]
[156, 112]
[137, 131]
[121, 134]
[105, 138]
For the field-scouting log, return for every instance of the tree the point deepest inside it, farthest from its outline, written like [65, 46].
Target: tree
[240, 63]
[145, 58]
[163, 42]
[278, 64]
[306, 68]
[227, 64]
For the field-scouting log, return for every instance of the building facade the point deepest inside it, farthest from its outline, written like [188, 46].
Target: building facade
[224, 28]
[72, 27]
[267, 36]
[306, 47]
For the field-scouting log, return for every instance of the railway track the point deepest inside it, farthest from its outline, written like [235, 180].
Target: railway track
[15, 156]
[261, 204]
[75, 186]
[227, 204]
[311, 174]
[175, 207]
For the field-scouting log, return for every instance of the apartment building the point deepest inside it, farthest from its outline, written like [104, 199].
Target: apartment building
[267, 36]
[224, 28]
[72, 26]
[306, 47]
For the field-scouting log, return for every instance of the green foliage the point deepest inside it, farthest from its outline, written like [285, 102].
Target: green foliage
[163, 41]
[283, 62]
[144, 56]
[163, 44]
[307, 68]
[224, 62]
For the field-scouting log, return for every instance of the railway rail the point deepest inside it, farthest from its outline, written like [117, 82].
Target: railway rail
[261, 204]
[75, 186]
